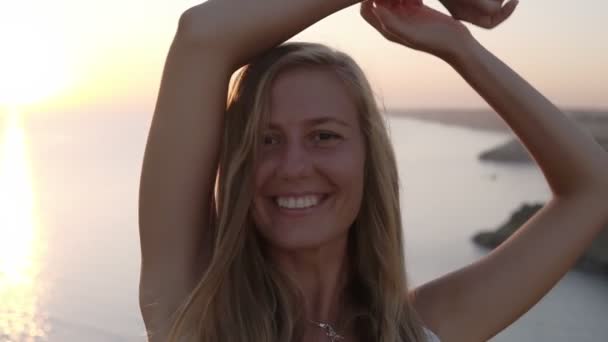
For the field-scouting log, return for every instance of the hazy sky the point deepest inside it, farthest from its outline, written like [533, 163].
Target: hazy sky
[109, 54]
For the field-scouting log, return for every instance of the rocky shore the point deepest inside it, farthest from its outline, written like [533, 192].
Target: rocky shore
[595, 260]
[595, 124]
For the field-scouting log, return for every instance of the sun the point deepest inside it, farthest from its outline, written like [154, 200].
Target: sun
[33, 61]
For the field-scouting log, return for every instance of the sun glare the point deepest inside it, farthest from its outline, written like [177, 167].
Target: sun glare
[20, 245]
[33, 64]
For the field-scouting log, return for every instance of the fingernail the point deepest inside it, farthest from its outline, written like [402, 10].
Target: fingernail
[379, 4]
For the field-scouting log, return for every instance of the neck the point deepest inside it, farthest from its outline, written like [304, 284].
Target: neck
[321, 274]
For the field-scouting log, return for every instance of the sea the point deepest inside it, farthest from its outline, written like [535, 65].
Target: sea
[69, 241]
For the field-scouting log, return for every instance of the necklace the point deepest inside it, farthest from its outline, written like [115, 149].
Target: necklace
[329, 331]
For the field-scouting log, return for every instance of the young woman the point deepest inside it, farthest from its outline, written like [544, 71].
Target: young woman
[275, 216]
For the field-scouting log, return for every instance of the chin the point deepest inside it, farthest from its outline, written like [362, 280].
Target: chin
[289, 239]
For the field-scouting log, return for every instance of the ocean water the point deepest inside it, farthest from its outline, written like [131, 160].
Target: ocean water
[69, 244]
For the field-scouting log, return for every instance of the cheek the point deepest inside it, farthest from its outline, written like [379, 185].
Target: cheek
[262, 172]
[262, 208]
[345, 169]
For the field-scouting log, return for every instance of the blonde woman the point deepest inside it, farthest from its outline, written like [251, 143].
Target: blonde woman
[275, 216]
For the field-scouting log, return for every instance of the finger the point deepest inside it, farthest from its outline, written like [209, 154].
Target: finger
[386, 3]
[506, 12]
[387, 19]
[487, 7]
[474, 16]
[368, 12]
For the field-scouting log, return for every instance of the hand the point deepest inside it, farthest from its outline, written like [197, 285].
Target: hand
[483, 13]
[411, 23]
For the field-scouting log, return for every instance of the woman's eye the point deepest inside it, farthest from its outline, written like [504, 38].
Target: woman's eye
[270, 140]
[325, 136]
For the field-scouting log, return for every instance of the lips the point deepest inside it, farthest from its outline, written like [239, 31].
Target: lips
[299, 204]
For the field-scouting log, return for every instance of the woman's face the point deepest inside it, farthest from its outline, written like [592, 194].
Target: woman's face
[309, 177]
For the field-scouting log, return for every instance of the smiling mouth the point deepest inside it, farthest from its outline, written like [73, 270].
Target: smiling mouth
[299, 203]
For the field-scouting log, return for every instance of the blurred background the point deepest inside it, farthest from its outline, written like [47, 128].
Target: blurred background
[78, 85]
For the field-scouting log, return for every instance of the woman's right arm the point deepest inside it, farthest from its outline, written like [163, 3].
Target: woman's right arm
[181, 155]
[245, 28]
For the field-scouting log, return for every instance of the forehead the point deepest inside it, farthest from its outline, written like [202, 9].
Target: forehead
[306, 93]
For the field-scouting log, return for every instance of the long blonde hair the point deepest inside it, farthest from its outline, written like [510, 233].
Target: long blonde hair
[242, 296]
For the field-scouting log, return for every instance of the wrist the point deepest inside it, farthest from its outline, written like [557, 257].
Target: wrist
[462, 51]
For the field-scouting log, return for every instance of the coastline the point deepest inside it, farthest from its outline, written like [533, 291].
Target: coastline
[595, 260]
[489, 120]
[593, 121]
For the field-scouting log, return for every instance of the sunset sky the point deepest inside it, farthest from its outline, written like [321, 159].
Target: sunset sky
[107, 56]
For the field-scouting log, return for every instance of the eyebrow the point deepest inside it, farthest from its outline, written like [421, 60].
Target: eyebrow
[317, 121]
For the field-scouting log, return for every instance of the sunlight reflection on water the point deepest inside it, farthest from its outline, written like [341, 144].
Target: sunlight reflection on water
[21, 244]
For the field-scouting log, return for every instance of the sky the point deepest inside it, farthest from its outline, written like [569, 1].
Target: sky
[107, 56]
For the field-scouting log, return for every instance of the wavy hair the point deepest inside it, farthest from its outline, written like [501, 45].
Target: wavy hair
[242, 296]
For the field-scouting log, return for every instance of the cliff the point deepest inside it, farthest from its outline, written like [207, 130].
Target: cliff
[513, 150]
[595, 260]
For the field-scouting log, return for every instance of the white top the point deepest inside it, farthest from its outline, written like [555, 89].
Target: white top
[431, 336]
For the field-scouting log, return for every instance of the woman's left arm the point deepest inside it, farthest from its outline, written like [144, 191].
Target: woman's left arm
[480, 300]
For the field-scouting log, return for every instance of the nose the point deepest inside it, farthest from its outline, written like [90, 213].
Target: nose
[295, 162]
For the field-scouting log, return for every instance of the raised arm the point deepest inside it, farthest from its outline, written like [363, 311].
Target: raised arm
[530, 263]
[180, 159]
[480, 300]
[245, 28]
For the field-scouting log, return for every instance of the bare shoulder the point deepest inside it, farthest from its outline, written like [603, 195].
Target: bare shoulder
[427, 310]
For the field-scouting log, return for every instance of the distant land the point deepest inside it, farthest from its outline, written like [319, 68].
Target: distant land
[595, 259]
[487, 119]
[512, 151]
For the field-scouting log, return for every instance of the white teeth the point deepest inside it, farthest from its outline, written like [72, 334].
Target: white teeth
[297, 202]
